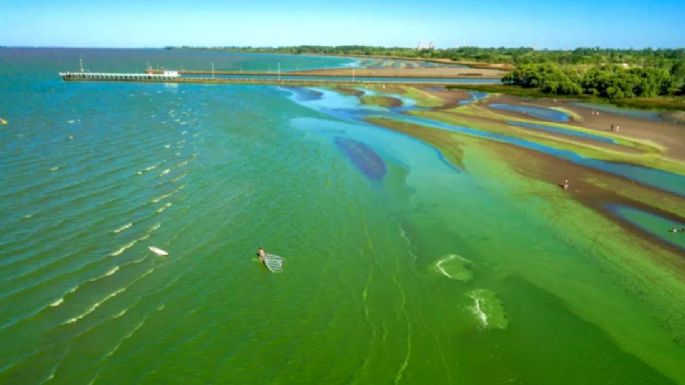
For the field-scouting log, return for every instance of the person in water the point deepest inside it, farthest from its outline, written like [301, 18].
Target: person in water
[261, 254]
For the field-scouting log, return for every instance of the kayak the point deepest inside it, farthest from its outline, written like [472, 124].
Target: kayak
[274, 263]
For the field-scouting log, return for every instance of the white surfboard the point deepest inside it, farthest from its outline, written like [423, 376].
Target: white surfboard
[158, 251]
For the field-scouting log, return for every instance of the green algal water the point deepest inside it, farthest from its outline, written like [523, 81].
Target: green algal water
[422, 273]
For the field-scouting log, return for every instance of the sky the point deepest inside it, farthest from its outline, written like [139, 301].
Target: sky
[446, 23]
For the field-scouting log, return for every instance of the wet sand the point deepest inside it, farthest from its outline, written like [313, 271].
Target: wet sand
[552, 170]
[593, 188]
[666, 133]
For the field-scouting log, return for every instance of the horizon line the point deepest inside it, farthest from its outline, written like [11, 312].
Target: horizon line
[344, 45]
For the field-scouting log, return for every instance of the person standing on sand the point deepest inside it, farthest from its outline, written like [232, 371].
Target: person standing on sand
[565, 185]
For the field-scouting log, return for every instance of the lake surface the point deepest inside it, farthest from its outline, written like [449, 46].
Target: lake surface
[399, 267]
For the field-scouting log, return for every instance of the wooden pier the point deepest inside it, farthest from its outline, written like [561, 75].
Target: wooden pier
[271, 80]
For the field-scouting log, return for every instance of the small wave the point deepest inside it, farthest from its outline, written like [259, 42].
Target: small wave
[53, 169]
[179, 177]
[57, 302]
[107, 298]
[123, 248]
[167, 146]
[94, 306]
[28, 216]
[162, 197]
[120, 314]
[122, 228]
[107, 274]
[185, 132]
[168, 170]
[152, 229]
[133, 331]
[148, 169]
[166, 206]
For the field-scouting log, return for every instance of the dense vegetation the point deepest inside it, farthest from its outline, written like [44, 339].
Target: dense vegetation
[604, 80]
[516, 56]
[609, 73]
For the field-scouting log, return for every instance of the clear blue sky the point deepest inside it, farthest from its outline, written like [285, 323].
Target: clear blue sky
[447, 23]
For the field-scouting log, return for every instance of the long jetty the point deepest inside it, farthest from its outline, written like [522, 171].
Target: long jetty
[260, 78]
[331, 73]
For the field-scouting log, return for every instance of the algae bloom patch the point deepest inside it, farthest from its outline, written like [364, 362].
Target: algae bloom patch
[488, 309]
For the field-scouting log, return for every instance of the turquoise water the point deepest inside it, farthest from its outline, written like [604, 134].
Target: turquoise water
[368, 221]
[664, 180]
[474, 96]
[655, 225]
[536, 112]
[628, 112]
[562, 131]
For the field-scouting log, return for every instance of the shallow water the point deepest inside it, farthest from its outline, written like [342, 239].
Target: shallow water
[628, 112]
[536, 112]
[664, 180]
[655, 225]
[562, 131]
[92, 174]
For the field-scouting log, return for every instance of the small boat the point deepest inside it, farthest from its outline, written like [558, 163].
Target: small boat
[274, 263]
[158, 251]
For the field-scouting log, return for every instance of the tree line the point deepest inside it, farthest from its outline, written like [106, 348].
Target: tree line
[604, 72]
[603, 80]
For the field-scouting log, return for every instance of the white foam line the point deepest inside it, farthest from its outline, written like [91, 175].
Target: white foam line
[161, 209]
[107, 274]
[57, 302]
[439, 266]
[168, 170]
[153, 228]
[56, 366]
[479, 312]
[132, 332]
[122, 228]
[107, 298]
[124, 248]
[179, 177]
[156, 200]
[149, 168]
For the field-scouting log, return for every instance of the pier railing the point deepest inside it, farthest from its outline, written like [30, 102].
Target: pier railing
[312, 80]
